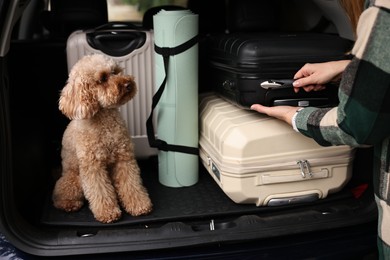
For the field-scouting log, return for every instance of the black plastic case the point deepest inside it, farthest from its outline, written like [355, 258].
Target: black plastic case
[241, 62]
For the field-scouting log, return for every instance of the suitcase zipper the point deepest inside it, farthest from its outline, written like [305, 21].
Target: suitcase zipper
[304, 165]
[305, 168]
[269, 175]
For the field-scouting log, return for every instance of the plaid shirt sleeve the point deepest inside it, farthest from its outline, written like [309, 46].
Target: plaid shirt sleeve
[363, 115]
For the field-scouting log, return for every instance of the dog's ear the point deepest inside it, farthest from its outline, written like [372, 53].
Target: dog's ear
[77, 102]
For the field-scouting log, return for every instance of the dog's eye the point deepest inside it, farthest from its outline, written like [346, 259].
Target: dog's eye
[116, 71]
[103, 77]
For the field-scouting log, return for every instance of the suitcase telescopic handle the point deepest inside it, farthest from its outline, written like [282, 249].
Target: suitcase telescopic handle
[116, 42]
[117, 26]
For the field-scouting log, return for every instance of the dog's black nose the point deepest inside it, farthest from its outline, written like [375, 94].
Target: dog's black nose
[129, 86]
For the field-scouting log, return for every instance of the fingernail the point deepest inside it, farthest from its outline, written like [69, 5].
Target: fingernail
[296, 83]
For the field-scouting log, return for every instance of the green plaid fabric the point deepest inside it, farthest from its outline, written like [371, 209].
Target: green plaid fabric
[363, 115]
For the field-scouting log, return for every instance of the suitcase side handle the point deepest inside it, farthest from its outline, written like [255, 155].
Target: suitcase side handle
[270, 84]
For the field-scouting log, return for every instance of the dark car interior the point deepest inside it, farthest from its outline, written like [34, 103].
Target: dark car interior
[190, 216]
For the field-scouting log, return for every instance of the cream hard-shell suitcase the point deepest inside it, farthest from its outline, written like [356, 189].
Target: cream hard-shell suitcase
[261, 160]
[133, 49]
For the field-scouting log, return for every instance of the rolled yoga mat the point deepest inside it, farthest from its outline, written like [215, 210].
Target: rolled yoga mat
[177, 110]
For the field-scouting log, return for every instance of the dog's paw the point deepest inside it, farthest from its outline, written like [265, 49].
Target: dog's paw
[142, 210]
[68, 205]
[139, 207]
[108, 215]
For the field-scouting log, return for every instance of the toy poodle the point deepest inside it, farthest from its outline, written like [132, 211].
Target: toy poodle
[98, 162]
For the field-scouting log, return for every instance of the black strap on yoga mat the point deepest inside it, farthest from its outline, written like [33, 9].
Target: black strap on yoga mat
[166, 52]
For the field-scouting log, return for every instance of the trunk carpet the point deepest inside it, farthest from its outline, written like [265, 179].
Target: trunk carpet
[204, 200]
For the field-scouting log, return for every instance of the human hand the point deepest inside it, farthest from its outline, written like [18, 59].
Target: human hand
[284, 113]
[314, 76]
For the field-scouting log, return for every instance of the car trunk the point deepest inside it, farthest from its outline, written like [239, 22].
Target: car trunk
[188, 216]
[33, 72]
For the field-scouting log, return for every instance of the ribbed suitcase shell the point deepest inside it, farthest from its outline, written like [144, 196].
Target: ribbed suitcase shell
[258, 159]
[139, 63]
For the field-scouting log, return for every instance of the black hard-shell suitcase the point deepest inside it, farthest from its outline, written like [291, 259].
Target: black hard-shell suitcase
[249, 68]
